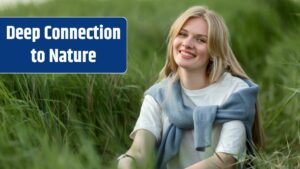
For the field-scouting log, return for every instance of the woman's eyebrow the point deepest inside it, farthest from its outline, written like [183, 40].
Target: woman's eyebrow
[183, 30]
[197, 35]
[200, 36]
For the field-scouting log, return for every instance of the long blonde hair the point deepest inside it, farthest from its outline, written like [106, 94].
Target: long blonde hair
[221, 56]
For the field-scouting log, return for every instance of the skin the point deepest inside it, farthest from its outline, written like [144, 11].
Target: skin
[142, 149]
[191, 55]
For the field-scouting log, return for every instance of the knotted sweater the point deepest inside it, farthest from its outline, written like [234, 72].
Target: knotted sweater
[184, 115]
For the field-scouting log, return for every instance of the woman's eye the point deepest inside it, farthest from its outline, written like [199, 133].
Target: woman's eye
[182, 34]
[201, 40]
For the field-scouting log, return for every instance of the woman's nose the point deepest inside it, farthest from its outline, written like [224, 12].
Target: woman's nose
[188, 42]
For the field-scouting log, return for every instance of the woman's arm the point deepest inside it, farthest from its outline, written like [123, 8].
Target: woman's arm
[232, 141]
[217, 161]
[145, 135]
[142, 150]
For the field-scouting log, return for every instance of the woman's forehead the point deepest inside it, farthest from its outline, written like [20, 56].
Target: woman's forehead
[195, 26]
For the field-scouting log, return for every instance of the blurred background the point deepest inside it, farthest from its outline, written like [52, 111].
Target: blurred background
[82, 121]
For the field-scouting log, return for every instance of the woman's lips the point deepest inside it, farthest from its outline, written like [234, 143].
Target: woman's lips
[186, 54]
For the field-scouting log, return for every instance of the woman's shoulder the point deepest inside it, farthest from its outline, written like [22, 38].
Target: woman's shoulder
[161, 85]
[231, 83]
[229, 80]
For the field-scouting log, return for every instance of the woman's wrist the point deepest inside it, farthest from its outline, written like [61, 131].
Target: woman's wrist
[125, 156]
[126, 161]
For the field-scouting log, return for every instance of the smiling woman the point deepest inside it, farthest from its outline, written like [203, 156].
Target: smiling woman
[202, 113]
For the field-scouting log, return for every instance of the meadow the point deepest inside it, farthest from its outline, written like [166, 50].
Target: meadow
[82, 121]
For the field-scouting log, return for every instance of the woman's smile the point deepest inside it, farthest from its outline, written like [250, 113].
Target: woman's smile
[187, 54]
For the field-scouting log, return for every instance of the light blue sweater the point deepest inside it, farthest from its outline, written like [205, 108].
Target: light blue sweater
[184, 115]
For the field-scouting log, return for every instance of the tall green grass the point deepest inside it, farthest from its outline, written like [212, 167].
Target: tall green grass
[83, 120]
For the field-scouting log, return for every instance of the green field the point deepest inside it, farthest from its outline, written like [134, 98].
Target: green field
[82, 121]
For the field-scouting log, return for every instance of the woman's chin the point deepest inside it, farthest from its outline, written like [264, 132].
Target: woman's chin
[185, 66]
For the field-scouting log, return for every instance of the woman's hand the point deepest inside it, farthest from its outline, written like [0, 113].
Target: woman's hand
[217, 161]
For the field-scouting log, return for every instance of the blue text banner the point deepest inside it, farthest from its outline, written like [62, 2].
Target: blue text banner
[63, 45]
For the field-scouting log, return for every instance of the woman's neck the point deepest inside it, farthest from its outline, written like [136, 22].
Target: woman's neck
[193, 80]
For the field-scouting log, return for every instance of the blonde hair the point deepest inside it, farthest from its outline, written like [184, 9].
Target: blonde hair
[220, 53]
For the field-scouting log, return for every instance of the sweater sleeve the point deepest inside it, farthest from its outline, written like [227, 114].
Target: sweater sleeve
[149, 118]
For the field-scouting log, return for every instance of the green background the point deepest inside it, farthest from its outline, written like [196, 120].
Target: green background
[82, 121]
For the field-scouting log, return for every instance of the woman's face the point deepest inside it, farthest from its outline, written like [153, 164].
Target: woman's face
[190, 45]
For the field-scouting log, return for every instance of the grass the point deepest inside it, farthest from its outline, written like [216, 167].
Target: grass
[83, 120]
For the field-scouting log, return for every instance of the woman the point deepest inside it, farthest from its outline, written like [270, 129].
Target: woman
[202, 113]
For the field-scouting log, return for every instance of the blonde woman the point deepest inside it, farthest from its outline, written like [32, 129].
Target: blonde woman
[203, 111]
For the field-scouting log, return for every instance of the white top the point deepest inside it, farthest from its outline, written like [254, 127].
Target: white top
[228, 138]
